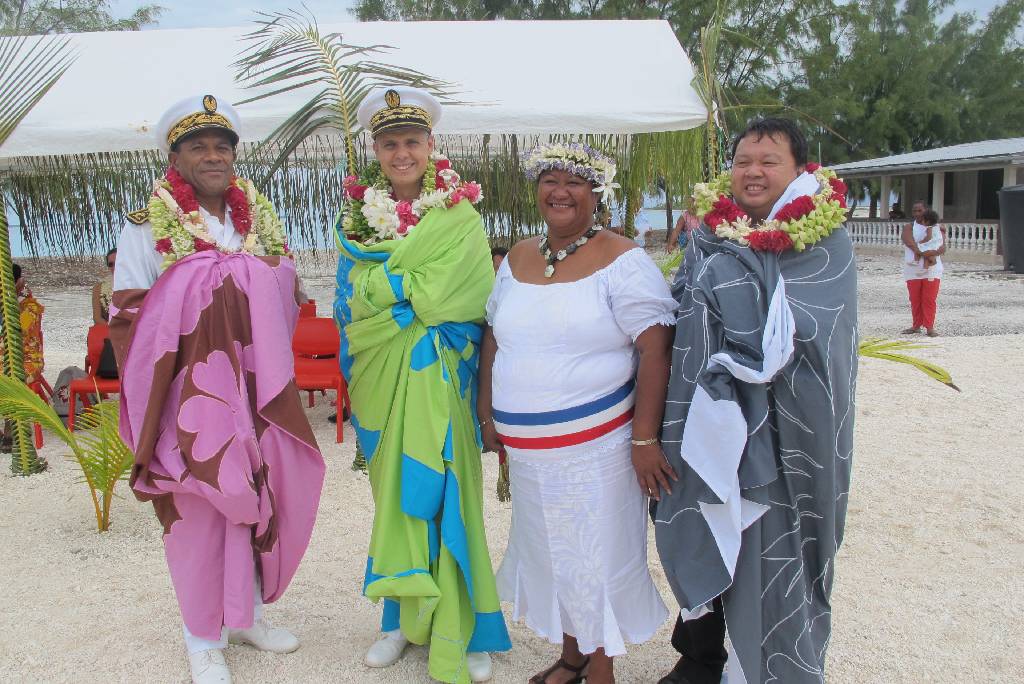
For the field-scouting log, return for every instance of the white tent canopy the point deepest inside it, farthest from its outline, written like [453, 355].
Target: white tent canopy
[517, 77]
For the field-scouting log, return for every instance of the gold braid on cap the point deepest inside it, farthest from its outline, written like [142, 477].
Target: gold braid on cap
[400, 116]
[194, 122]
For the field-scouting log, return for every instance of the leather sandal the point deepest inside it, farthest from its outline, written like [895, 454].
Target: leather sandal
[542, 678]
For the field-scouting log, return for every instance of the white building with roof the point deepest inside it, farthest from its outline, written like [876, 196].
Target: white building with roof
[961, 182]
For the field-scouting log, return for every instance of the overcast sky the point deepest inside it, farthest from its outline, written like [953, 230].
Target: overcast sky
[208, 13]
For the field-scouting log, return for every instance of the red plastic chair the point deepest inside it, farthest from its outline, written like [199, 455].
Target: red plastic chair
[316, 344]
[89, 385]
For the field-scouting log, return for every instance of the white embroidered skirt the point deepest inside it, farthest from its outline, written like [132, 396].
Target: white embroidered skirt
[577, 553]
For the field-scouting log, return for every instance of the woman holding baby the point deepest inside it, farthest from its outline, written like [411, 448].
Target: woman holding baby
[925, 243]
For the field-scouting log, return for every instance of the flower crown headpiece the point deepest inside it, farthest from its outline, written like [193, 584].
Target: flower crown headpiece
[578, 159]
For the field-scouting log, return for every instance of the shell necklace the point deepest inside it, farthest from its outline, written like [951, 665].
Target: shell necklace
[554, 257]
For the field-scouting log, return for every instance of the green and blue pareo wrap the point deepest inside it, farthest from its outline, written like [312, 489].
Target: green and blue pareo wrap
[410, 313]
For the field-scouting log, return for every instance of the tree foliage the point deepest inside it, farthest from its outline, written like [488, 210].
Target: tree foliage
[867, 78]
[28, 17]
[892, 77]
[762, 32]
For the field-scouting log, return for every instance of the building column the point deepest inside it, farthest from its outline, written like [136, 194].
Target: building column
[883, 211]
[938, 191]
[1009, 175]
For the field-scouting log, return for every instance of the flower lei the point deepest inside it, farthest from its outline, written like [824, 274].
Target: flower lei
[797, 225]
[180, 229]
[371, 214]
[578, 159]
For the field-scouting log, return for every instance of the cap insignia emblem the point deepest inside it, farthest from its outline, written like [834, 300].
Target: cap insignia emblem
[209, 104]
[392, 98]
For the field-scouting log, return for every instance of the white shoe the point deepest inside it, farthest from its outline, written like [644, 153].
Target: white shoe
[208, 667]
[387, 651]
[265, 638]
[479, 666]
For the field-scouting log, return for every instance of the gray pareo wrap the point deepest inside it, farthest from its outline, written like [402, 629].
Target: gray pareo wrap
[764, 372]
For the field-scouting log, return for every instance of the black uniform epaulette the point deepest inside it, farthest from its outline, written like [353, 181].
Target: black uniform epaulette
[139, 216]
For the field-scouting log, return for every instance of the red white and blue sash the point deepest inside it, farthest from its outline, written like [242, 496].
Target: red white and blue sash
[566, 427]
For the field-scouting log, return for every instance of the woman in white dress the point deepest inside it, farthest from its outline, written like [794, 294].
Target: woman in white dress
[573, 371]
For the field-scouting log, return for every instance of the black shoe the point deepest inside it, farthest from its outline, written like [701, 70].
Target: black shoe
[687, 672]
[333, 418]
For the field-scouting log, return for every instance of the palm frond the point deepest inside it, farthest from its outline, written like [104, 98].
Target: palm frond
[892, 350]
[19, 402]
[29, 66]
[105, 458]
[95, 446]
[670, 263]
[289, 53]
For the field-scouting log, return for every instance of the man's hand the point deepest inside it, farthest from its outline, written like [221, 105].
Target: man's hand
[653, 471]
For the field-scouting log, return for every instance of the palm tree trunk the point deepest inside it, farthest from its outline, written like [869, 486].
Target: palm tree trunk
[669, 224]
[24, 459]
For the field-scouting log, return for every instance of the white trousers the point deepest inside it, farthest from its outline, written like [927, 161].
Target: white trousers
[196, 644]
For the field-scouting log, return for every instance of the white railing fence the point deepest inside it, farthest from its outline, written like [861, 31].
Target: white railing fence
[973, 236]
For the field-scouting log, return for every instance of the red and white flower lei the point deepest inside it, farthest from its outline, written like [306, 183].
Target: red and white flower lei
[179, 228]
[797, 225]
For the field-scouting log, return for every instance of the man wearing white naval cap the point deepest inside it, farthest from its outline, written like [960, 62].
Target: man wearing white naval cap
[202, 317]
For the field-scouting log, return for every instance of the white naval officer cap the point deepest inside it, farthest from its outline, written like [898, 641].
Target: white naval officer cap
[392, 107]
[196, 113]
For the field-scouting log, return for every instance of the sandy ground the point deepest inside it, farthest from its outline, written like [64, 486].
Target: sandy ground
[929, 587]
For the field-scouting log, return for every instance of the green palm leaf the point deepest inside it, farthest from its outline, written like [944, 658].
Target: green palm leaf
[95, 445]
[105, 458]
[29, 66]
[892, 350]
[288, 53]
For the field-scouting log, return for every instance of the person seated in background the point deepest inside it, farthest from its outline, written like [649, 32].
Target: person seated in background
[31, 318]
[498, 255]
[103, 291]
[895, 212]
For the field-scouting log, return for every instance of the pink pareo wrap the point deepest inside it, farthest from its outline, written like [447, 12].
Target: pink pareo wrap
[222, 446]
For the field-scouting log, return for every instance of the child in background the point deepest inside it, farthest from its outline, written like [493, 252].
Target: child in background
[928, 237]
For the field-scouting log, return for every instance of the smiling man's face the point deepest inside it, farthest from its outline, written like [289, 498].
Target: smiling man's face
[762, 169]
[206, 161]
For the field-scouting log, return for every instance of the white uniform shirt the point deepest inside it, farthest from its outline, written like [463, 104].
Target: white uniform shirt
[138, 262]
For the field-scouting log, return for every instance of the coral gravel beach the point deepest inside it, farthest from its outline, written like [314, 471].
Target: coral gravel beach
[928, 581]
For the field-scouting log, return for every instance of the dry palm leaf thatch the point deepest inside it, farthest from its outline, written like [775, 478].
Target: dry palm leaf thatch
[288, 53]
[29, 66]
[95, 446]
[892, 350]
[75, 205]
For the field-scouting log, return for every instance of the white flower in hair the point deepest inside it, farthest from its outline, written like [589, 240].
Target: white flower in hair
[607, 187]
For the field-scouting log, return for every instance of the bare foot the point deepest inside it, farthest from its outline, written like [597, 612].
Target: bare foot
[910, 331]
[601, 671]
[932, 332]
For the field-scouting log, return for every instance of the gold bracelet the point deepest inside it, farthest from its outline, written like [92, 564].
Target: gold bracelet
[643, 442]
